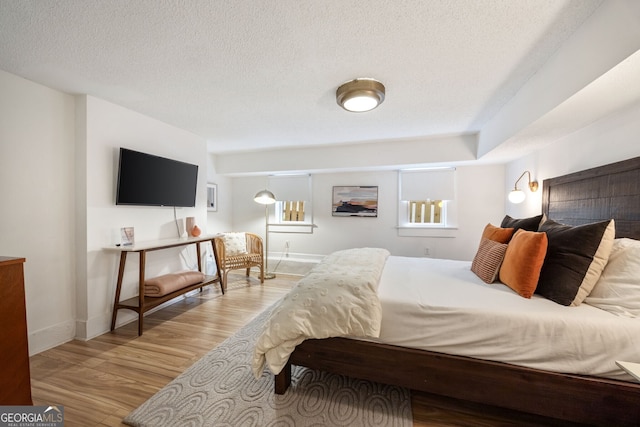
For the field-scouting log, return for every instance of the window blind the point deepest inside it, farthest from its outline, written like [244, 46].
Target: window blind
[431, 184]
[290, 187]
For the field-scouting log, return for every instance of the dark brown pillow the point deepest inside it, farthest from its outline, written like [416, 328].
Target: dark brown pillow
[575, 259]
[529, 224]
[488, 259]
[523, 260]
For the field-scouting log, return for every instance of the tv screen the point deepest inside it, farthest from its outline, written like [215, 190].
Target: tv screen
[148, 180]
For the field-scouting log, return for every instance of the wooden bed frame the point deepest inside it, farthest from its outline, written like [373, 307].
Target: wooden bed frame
[611, 191]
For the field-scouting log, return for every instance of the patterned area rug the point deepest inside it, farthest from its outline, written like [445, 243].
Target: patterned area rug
[220, 390]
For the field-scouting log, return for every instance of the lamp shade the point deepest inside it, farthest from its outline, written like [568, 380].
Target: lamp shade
[516, 196]
[264, 197]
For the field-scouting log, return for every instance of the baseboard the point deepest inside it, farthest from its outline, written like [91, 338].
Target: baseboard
[294, 264]
[50, 337]
[295, 257]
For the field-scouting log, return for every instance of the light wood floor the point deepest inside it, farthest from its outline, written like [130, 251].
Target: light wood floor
[100, 381]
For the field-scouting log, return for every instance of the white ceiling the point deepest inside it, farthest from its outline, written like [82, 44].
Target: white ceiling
[255, 75]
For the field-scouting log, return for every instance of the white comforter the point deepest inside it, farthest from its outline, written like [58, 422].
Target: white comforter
[440, 305]
[338, 297]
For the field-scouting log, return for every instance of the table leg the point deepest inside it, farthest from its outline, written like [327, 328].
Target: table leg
[123, 259]
[143, 257]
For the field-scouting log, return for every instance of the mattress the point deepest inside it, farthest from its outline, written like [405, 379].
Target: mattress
[440, 305]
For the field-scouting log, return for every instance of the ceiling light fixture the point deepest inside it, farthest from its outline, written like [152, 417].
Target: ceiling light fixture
[360, 95]
[518, 196]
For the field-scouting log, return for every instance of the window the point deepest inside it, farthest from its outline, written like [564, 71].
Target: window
[425, 196]
[291, 210]
[427, 212]
[293, 199]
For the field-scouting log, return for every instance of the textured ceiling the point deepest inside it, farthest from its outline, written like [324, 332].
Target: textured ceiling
[249, 75]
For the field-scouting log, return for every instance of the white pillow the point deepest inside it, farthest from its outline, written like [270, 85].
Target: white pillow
[618, 289]
[235, 244]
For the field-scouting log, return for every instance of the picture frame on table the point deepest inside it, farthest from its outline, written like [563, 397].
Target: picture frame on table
[127, 237]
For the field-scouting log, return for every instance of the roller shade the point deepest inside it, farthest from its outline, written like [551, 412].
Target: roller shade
[432, 184]
[290, 187]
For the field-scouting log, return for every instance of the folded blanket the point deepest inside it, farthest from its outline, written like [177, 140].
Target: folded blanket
[337, 298]
[163, 285]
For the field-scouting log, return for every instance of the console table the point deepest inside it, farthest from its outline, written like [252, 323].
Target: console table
[141, 303]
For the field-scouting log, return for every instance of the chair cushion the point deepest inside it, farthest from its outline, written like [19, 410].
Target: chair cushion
[235, 243]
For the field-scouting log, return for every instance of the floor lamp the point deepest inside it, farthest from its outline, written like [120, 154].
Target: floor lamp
[266, 198]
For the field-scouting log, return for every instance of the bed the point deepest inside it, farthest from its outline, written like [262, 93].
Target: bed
[595, 392]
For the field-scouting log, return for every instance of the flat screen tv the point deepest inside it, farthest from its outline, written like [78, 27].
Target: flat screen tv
[148, 180]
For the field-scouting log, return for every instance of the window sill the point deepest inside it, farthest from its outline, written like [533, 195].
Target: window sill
[292, 228]
[427, 231]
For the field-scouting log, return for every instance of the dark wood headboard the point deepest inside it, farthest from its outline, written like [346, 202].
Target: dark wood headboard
[605, 192]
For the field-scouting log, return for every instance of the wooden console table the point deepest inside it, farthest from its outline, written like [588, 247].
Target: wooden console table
[141, 304]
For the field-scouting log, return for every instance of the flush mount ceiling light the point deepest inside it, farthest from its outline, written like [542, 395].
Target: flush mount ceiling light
[360, 95]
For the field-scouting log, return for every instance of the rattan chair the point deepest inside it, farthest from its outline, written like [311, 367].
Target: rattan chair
[253, 257]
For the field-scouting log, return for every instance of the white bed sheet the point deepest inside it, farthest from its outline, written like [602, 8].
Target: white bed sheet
[440, 305]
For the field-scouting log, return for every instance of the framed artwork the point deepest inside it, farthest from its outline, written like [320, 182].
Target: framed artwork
[361, 200]
[212, 197]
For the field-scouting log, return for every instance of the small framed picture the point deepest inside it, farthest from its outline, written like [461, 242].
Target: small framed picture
[212, 197]
[126, 236]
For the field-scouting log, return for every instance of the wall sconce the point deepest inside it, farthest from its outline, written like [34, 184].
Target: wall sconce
[517, 196]
[360, 95]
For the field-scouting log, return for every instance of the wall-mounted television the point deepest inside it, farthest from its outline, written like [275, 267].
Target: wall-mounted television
[148, 180]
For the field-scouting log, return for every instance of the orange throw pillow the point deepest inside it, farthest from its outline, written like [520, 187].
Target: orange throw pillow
[497, 234]
[523, 261]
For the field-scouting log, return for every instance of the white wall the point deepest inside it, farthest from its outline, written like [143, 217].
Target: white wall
[482, 195]
[220, 220]
[109, 127]
[37, 213]
[58, 166]
[610, 139]
[480, 200]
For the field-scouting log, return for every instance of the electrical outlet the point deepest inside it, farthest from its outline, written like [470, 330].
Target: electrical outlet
[427, 252]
